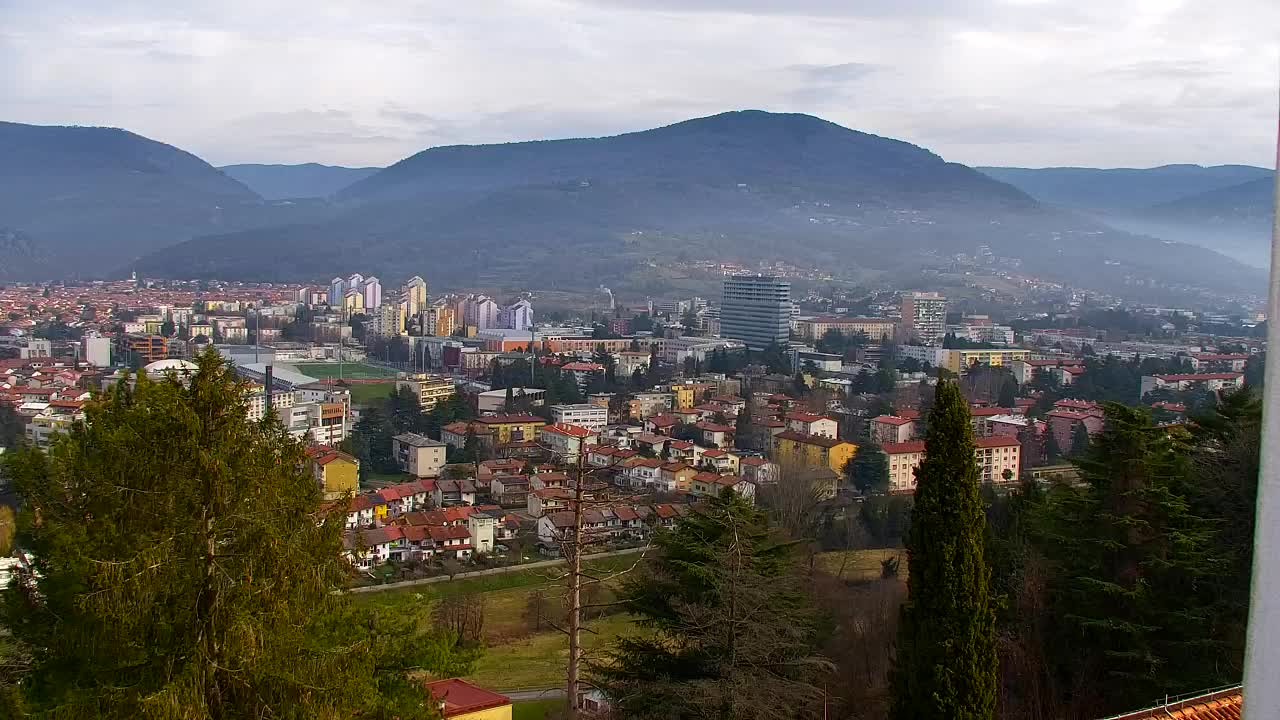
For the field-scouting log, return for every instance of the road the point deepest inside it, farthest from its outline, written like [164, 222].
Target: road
[534, 694]
[481, 573]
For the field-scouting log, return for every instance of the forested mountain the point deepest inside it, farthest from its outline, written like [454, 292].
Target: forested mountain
[308, 180]
[740, 186]
[1226, 208]
[82, 198]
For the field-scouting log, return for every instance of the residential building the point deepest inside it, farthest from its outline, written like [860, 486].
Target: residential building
[566, 442]
[585, 415]
[958, 361]
[480, 528]
[983, 333]
[756, 309]
[1062, 423]
[1219, 362]
[517, 316]
[371, 288]
[504, 429]
[146, 348]
[629, 361]
[876, 329]
[1215, 382]
[676, 476]
[336, 473]
[758, 470]
[583, 372]
[676, 350]
[684, 396]
[891, 429]
[430, 389]
[792, 448]
[97, 350]
[808, 423]
[418, 455]
[924, 317]
[337, 291]
[415, 295]
[645, 405]
[998, 458]
[453, 492]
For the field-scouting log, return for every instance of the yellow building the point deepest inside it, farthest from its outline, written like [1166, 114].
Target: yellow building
[792, 448]
[430, 389]
[685, 396]
[958, 361]
[460, 700]
[512, 428]
[336, 473]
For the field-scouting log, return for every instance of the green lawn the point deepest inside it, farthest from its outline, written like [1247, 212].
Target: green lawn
[366, 394]
[535, 709]
[539, 660]
[349, 370]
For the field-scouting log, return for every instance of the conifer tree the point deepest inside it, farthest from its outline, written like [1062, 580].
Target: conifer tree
[1079, 440]
[946, 664]
[868, 470]
[183, 570]
[735, 635]
[1132, 564]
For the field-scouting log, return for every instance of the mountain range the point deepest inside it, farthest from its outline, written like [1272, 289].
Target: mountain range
[742, 186]
[308, 180]
[1227, 208]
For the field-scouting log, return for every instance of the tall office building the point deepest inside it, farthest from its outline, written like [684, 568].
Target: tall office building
[756, 309]
[924, 317]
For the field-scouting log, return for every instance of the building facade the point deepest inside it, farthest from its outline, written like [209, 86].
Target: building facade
[756, 309]
[585, 415]
[924, 317]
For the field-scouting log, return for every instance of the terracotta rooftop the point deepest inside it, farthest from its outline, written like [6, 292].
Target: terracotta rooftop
[1221, 705]
[461, 697]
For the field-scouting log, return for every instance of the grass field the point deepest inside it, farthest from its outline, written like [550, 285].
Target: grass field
[366, 394]
[539, 660]
[860, 564]
[535, 709]
[349, 370]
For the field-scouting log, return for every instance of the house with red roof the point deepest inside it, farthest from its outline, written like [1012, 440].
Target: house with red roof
[891, 429]
[458, 699]
[809, 423]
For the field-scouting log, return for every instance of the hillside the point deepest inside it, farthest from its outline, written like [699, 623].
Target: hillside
[80, 201]
[309, 180]
[743, 186]
[1116, 189]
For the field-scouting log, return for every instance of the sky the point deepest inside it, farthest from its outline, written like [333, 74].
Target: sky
[1032, 83]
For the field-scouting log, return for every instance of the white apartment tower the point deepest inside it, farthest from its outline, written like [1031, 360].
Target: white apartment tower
[924, 317]
[756, 309]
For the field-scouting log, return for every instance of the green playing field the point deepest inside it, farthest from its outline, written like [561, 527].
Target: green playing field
[355, 371]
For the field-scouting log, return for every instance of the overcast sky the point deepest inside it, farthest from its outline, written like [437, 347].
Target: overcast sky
[984, 82]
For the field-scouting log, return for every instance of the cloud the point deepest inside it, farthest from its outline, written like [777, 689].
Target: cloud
[1028, 82]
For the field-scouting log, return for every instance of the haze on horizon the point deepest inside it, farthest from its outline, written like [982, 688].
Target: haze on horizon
[990, 82]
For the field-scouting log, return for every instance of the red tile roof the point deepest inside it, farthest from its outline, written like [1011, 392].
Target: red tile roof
[1222, 705]
[1195, 377]
[810, 439]
[805, 417]
[461, 697]
[989, 411]
[566, 429]
[996, 441]
[890, 420]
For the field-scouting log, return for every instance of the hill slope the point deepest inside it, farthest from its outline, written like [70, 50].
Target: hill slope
[79, 201]
[309, 180]
[741, 186]
[1111, 189]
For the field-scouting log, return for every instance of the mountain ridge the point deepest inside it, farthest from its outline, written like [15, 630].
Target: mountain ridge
[278, 181]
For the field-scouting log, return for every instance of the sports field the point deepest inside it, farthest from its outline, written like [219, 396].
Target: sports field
[355, 371]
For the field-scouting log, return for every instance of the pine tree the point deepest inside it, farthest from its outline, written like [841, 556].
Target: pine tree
[183, 570]
[946, 662]
[1131, 565]
[1008, 393]
[868, 470]
[734, 634]
[1079, 440]
[744, 431]
[1052, 451]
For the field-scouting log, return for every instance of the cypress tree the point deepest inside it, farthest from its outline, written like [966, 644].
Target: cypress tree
[946, 664]
[184, 570]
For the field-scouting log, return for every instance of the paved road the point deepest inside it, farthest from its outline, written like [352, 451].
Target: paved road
[542, 694]
[480, 573]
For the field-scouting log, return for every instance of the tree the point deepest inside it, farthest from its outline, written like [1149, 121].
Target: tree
[167, 328]
[1079, 440]
[734, 631]
[183, 569]
[11, 426]
[1052, 451]
[8, 529]
[744, 430]
[946, 663]
[1131, 591]
[868, 470]
[1008, 393]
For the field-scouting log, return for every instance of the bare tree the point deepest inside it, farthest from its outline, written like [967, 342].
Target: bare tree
[464, 616]
[793, 500]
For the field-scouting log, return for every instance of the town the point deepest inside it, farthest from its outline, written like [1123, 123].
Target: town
[460, 435]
